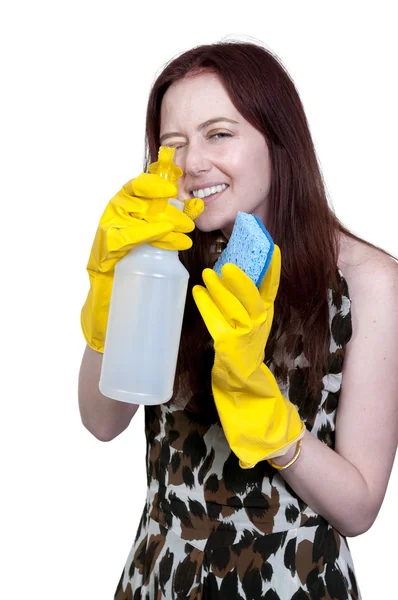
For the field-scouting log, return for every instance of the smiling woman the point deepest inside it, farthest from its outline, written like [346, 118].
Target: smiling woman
[315, 356]
[215, 151]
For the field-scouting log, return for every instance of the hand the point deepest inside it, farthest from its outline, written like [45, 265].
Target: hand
[258, 422]
[138, 214]
[238, 315]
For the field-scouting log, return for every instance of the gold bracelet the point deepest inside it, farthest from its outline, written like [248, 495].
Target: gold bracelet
[295, 457]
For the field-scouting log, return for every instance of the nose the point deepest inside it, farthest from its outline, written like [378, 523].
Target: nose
[195, 160]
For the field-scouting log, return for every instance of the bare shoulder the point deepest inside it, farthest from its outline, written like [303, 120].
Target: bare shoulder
[367, 268]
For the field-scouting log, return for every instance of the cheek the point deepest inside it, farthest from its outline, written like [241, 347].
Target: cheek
[246, 163]
[229, 162]
[263, 178]
[261, 169]
[178, 160]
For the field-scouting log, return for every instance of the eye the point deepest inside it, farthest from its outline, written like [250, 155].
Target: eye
[219, 135]
[176, 145]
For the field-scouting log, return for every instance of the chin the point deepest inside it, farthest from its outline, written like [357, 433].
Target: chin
[208, 223]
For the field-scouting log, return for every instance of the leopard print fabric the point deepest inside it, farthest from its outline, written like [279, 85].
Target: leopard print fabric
[211, 530]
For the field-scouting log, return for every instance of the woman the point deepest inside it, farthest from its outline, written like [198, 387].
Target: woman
[228, 514]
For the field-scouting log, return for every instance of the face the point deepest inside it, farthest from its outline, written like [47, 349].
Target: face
[225, 160]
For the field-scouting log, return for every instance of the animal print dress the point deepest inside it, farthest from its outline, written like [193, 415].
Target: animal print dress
[211, 530]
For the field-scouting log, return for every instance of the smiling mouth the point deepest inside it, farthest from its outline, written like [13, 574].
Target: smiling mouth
[209, 191]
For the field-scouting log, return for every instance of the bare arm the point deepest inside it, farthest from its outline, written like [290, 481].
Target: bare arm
[347, 486]
[103, 417]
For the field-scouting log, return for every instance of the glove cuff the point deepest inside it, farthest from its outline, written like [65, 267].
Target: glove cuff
[87, 329]
[94, 313]
[258, 421]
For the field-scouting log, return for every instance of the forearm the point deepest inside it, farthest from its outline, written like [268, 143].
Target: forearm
[330, 485]
[103, 417]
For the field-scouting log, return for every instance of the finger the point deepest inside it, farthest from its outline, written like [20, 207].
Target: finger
[173, 241]
[244, 289]
[155, 210]
[127, 206]
[193, 208]
[149, 186]
[141, 232]
[124, 204]
[211, 314]
[270, 284]
[229, 305]
[181, 222]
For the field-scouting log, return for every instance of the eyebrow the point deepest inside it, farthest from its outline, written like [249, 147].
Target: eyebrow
[165, 136]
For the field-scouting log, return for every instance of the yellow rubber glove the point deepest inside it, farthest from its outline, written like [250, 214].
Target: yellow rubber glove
[258, 421]
[138, 214]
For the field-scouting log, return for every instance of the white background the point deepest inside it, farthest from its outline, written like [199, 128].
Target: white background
[75, 77]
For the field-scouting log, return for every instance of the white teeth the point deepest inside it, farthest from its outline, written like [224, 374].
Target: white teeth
[204, 192]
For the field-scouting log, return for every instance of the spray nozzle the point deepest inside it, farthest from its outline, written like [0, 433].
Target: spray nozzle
[165, 166]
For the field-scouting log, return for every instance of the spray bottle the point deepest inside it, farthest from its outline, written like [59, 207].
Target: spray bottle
[145, 316]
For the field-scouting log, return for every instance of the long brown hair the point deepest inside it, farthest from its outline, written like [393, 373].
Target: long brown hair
[299, 218]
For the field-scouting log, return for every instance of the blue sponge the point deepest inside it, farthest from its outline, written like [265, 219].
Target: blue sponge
[250, 247]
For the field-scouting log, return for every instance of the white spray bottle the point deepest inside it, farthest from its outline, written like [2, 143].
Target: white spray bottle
[145, 316]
